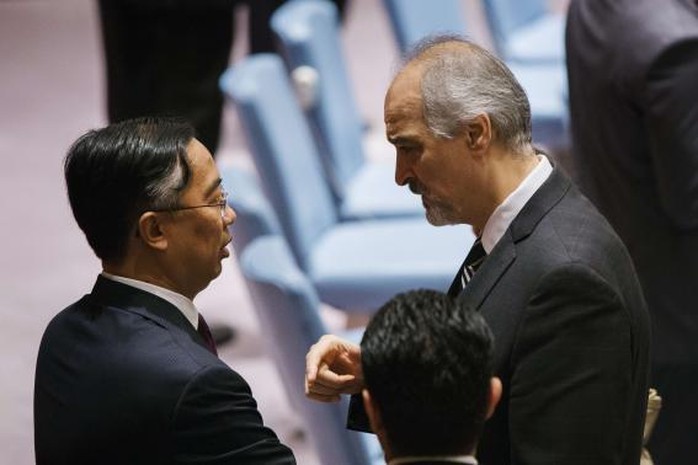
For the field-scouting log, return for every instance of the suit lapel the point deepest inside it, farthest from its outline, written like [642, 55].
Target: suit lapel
[545, 198]
[455, 288]
[504, 253]
[489, 273]
[114, 294]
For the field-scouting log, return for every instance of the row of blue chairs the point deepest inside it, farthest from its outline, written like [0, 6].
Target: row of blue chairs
[288, 309]
[525, 31]
[295, 252]
[309, 34]
[354, 265]
[318, 223]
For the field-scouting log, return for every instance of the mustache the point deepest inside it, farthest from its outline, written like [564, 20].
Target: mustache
[416, 187]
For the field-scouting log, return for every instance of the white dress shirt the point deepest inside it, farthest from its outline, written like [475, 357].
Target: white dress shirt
[185, 305]
[505, 213]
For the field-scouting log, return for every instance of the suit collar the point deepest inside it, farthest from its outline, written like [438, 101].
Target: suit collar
[547, 196]
[183, 304]
[504, 252]
[505, 213]
[114, 294]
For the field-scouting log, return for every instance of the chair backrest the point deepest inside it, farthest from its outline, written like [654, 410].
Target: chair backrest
[309, 35]
[411, 20]
[287, 306]
[505, 16]
[255, 216]
[283, 149]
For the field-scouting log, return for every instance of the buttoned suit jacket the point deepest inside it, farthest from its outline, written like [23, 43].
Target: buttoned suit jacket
[571, 337]
[122, 377]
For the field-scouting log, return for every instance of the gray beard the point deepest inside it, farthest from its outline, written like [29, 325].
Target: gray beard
[437, 217]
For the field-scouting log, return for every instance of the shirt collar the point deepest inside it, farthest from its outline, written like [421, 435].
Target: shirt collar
[469, 459]
[505, 213]
[183, 304]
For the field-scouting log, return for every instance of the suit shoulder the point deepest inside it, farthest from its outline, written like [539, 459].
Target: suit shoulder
[574, 236]
[575, 231]
[116, 343]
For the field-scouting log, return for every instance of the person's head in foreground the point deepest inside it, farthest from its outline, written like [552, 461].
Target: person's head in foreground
[427, 369]
[149, 199]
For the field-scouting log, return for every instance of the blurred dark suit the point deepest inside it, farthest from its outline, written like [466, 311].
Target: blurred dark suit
[164, 57]
[633, 75]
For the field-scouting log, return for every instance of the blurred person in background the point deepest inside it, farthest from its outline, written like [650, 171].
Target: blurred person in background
[633, 77]
[164, 57]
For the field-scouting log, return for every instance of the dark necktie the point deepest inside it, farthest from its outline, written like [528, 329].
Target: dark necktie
[472, 262]
[205, 333]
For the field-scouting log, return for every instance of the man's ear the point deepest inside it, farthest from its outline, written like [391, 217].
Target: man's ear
[376, 422]
[151, 231]
[478, 133]
[494, 395]
[374, 416]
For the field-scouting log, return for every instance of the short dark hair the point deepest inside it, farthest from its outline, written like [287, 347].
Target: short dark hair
[426, 360]
[116, 173]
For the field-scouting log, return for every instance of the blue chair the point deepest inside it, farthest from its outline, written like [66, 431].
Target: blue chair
[526, 30]
[288, 309]
[255, 216]
[308, 34]
[544, 83]
[356, 265]
[412, 20]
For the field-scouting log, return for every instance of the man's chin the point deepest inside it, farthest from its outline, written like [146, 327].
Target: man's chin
[437, 218]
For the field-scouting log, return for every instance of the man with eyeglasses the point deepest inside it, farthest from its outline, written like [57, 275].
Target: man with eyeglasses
[129, 373]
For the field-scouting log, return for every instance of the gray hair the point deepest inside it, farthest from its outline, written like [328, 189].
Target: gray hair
[463, 81]
[163, 193]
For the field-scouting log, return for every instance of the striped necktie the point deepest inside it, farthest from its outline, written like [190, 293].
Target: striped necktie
[472, 262]
[205, 333]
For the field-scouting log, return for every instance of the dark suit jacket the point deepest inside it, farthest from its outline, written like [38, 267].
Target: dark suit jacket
[435, 462]
[571, 336]
[164, 57]
[123, 378]
[633, 74]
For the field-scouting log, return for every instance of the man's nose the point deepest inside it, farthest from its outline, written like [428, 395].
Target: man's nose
[230, 215]
[403, 172]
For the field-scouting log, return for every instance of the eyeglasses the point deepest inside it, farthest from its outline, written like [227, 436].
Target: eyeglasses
[222, 204]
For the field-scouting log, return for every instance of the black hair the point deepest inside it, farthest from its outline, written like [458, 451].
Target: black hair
[116, 173]
[426, 361]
